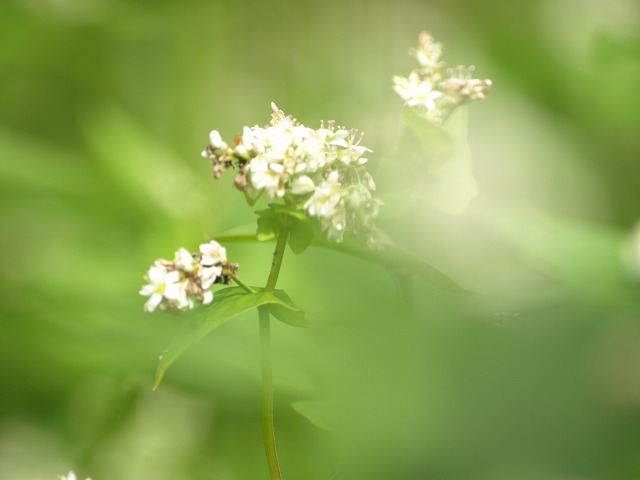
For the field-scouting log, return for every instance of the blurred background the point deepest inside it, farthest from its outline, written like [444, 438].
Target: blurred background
[105, 106]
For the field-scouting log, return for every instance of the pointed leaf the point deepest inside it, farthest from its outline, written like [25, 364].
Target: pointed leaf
[397, 260]
[316, 411]
[252, 195]
[300, 236]
[392, 257]
[269, 224]
[441, 159]
[287, 312]
[289, 210]
[226, 305]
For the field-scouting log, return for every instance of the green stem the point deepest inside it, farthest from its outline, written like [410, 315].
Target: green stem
[241, 284]
[265, 347]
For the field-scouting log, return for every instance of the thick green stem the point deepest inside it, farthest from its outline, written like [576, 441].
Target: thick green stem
[265, 344]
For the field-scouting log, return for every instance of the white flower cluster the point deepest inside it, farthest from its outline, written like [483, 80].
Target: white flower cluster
[69, 476]
[426, 87]
[178, 284]
[319, 171]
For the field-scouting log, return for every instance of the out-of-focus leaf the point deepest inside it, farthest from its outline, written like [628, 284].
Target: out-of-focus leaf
[268, 224]
[393, 258]
[447, 178]
[316, 411]
[300, 236]
[28, 165]
[151, 176]
[226, 305]
[586, 257]
[252, 195]
[397, 260]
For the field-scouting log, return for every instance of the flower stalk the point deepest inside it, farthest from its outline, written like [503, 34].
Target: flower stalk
[268, 431]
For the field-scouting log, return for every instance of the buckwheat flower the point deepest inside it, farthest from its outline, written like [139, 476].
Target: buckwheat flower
[368, 180]
[461, 83]
[325, 197]
[269, 177]
[335, 223]
[425, 89]
[213, 257]
[188, 279]
[215, 140]
[212, 254]
[312, 170]
[69, 476]
[162, 284]
[208, 277]
[184, 260]
[302, 185]
[428, 52]
[416, 91]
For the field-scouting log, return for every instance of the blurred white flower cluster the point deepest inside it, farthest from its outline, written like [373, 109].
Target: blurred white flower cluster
[178, 284]
[319, 171]
[69, 476]
[437, 93]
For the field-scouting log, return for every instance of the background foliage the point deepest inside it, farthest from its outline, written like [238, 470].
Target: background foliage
[105, 106]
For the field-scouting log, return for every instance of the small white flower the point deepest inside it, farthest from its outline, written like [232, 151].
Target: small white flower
[334, 225]
[207, 297]
[325, 198]
[209, 275]
[368, 180]
[338, 138]
[417, 91]
[428, 52]
[216, 140]
[302, 185]
[177, 294]
[161, 283]
[267, 176]
[184, 260]
[212, 254]
[277, 115]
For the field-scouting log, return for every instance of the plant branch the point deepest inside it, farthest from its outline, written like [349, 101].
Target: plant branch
[265, 347]
[241, 284]
[393, 258]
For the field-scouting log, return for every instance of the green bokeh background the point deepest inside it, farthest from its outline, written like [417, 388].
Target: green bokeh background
[104, 108]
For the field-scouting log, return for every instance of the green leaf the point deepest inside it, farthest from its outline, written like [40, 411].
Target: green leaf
[252, 195]
[289, 211]
[288, 313]
[440, 159]
[435, 141]
[272, 219]
[398, 261]
[269, 224]
[227, 304]
[300, 236]
[393, 258]
[316, 411]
